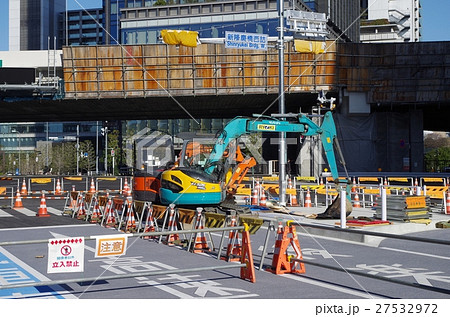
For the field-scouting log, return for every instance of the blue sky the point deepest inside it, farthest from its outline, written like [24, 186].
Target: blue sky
[435, 20]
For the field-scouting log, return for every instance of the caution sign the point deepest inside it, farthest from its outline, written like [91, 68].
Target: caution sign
[65, 255]
[110, 245]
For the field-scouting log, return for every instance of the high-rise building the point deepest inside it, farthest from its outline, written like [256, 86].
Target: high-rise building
[33, 24]
[391, 21]
[81, 27]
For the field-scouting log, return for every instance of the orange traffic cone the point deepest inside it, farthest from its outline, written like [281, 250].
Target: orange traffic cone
[234, 245]
[125, 187]
[24, 190]
[81, 211]
[171, 238]
[92, 189]
[18, 202]
[131, 222]
[58, 188]
[129, 192]
[254, 198]
[110, 215]
[354, 186]
[308, 203]
[356, 203]
[292, 197]
[200, 244]
[447, 209]
[96, 215]
[263, 200]
[43, 208]
[150, 223]
[258, 190]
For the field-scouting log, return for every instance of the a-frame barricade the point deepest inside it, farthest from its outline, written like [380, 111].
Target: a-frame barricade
[139, 208]
[79, 210]
[247, 272]
[89, 201]
[119, 208]
[109, 218]
[282, 262]
[234, 247]
[70, 203]
[102, 201]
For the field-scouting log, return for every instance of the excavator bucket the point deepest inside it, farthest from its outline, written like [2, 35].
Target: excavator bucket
[334, 210]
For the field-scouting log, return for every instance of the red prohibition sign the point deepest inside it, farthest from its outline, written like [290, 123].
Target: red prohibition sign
[66, 250]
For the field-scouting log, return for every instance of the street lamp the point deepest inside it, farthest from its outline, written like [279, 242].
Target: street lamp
[18, 137]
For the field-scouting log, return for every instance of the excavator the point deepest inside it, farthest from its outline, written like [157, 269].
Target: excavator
[206, 184]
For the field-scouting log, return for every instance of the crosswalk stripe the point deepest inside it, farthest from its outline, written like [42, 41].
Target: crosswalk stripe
[54, 211]
[25, 211]
[5, 214]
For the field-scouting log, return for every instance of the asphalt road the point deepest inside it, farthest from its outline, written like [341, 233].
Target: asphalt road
[412, 262]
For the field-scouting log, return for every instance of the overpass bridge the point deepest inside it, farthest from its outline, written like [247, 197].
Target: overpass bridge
[158, 81]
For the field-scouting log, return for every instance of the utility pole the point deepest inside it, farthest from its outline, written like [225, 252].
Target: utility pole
[282, 155]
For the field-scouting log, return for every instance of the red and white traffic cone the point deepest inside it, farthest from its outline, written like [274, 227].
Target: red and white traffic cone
[18, 202]
[58, 188]
[150, 223]
[292, 197]
[263, 201]
[354, 185]
[96, 215]
[356, 203]
[308, 203]
[254, 198]
[234, 245]
[131, 222]
[125, 187]
[24, 190]
[43, 208]
[200, 242]
[110, 215]
[92, 188]
[81, 211]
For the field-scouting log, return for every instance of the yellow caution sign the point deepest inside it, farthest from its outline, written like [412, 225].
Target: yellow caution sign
[416, 202]
[2, 190]
[41, 180]
[180, 37]
[303, 46]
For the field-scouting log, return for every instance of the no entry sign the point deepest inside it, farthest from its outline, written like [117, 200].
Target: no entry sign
[65, 255]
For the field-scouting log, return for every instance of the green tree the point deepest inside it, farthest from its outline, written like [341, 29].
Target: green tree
[87, 162]
[436, 160]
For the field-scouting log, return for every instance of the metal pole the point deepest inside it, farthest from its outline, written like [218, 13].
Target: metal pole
[96, 148]
[106, 151]
[282, 156]
[383, 204]
[343, 209]
[78, 147]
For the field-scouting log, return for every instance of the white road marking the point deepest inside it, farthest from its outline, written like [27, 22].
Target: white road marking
[26, 211]
[33, 272]
[5, 214]
[329, 286]
[417, 253]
